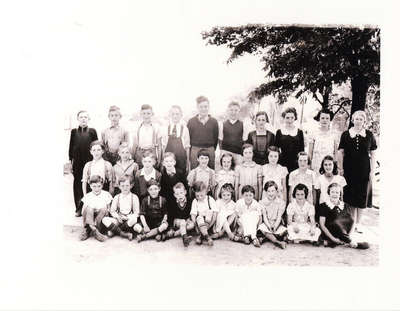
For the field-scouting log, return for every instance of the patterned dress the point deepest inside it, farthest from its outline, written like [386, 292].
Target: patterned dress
[248, 174]
[324, 144]
[276, 174]
[301, 216]
[222, 177]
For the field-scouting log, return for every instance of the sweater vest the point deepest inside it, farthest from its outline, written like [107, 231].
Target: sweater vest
[233, 136]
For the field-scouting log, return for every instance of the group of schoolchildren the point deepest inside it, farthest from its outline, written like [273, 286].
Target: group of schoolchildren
[164, 183]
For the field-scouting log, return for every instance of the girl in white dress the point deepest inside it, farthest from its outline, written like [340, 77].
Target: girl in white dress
[226, 175]
[301, 217]
[226, 215]
[273, 208]
[276, 172]
[323, 141]
[249, 216]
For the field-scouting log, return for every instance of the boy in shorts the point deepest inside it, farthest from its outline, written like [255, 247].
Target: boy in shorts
[95, 207]
[124, 212]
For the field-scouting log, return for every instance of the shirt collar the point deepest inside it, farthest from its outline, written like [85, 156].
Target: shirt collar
[203, 169]
[332, 206]
[83, 129]
[353, 132]
[308, 172]
[291, 132]
[205, 119]
[251, 164]
[232, 121]
[114, 126]
[171, 172]
[151, 175]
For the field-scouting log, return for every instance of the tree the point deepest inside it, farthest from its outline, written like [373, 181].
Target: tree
[300, 59]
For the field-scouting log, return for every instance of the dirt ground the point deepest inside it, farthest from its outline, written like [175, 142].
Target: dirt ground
[224, 252]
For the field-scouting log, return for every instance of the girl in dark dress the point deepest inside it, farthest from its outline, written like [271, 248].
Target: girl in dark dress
[261, 139]
[356, 164]
[290, 140]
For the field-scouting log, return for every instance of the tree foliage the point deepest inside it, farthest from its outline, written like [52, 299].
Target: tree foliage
[300, 59]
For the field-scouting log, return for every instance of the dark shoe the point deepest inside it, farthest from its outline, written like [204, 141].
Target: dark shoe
[158, 237]
[345, 238]
[199, 240]
[362, 245]
[170, 233]
[140, 237]
[163, 237]
[110, 234]
[84, 235]
[78, 214]
[98, 236]
[186, 240]
[256, 242]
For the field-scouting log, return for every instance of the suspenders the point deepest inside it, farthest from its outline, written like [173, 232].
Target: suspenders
[153, 139]
[105, 171]
[118, 209]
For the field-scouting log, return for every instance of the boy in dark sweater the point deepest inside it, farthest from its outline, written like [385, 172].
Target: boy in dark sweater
[79, 154]
[170, 176]
[179, 215]
[153, 214]
[203, 132]
[232, 134]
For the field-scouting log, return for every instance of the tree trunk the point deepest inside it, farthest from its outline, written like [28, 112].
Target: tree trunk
[359, 88]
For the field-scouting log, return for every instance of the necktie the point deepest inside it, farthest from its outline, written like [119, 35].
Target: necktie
[174, 131]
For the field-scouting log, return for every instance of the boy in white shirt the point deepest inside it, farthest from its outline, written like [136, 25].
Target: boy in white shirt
[203, 212]
[95, 207]
[98, 166]
[146, 137]
[124, 212]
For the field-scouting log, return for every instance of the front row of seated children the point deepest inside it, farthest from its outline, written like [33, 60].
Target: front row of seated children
[246, 221]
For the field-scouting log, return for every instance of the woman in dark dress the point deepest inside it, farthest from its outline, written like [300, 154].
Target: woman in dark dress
[290, 140]
[261, 139]
[356, 163]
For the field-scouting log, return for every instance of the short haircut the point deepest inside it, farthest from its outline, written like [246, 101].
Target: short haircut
[290, 110]
[326, 111]
[302, 153]
[228, 155]
[270, 183]
[152, 182]
[201, 99]
[199, 186]
[262, 113]
[332, 185]
[203, 152]
[114, 109]
[96, 179]
[233, 103]
[179, 185]
[95, 143]
[300, 187]
[81, 111]
[273, 149]
[357, 113]
[147, 154]
[229, 188]
[335, 167]
[146, 107]
[248, 188]
[169, 154]
[125, 178]
[245, 146]
[123, 146]
[177, 107]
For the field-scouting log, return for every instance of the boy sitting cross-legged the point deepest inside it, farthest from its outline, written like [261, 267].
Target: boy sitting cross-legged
[124, 212]
[179, 214]
[95, 207]
[203, 212]
[153, 214]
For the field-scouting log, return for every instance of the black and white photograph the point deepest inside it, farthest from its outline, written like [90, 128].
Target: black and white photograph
[214, 155]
